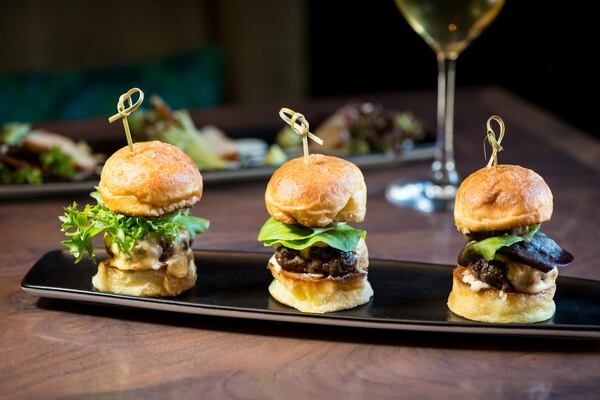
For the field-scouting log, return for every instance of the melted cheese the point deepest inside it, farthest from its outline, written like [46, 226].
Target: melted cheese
[273, 261]
[475, 284]
[362, 255]
[530, 280]
[523, 278]
[177, 265]
[305, 253]
[146, 254]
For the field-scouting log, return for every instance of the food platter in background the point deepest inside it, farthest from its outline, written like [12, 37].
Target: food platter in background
[365, 133]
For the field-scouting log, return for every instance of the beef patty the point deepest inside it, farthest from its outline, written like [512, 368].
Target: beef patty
[491, 272]
[322, 260]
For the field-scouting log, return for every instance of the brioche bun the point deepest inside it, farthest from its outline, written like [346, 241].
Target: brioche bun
[312, 293]
[336, 301]
[148, 283]
[317, 193]
[155, 179]
[500, 198]
[491, 305]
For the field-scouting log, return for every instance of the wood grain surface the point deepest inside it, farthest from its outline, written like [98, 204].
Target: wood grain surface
[61, 349]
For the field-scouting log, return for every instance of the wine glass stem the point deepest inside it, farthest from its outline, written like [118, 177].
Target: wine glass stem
[444, 172]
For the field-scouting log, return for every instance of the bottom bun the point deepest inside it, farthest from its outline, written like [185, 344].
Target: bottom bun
[149, 283]
[313, 294]
[492, 305]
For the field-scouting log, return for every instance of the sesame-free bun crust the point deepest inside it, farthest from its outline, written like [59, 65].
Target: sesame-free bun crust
[338, 300]
[502, 197]
[147, 283]
[155, 179]
[491, 305]
[317, 193]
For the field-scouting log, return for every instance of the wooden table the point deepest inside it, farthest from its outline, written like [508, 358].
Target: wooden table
[51, 348]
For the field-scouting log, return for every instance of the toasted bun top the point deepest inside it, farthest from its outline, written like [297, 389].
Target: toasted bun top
[317, 193]
[156, 178]
[502, 197]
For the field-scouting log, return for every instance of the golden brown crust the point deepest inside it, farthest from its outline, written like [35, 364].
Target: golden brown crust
[147, 283]
[157, 178]
[336, 301]
[325, 190]
[502, 197]
[491, 305]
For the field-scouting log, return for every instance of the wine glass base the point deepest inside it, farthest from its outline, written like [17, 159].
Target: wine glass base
[422, 195]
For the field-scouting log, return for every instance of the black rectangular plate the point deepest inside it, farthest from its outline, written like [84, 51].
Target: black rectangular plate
[408, 296]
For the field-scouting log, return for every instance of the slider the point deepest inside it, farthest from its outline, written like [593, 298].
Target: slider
[320, 262]
[143, 201]
[507, 270]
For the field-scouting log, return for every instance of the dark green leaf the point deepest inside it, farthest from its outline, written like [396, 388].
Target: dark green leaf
[339, 236]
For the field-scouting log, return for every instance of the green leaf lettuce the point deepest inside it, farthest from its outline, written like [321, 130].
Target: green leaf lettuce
[339, 236]
[487, 248]
[80, 227]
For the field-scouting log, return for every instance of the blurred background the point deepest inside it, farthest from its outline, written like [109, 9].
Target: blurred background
[70, 59]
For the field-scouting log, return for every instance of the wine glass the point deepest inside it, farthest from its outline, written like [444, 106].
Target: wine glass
[448, 26]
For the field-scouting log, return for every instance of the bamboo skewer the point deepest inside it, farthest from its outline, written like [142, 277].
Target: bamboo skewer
[301, 127]
[123, 112]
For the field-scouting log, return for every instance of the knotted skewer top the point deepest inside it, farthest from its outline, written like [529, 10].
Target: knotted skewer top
[123, 112]
[300, 126]
[491, 138]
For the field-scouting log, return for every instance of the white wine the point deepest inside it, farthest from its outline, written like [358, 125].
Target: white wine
[448, 26]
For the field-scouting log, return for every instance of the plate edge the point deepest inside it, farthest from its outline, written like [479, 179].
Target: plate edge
[316, 320]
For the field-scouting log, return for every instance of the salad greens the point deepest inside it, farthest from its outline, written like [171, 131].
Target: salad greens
[339, 235]
[33, 169]
[13, 133]
[176, 128]
[57, 162]
[20, 175]
[186, 136]
[52, 162]
[81, 226]
[275, 156]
